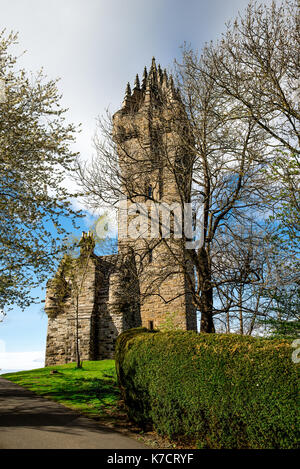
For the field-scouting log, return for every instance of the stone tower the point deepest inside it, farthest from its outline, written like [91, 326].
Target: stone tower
[146, 282]
[155, 151]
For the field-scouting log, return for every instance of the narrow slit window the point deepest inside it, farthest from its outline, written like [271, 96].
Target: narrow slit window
[160, 183]
[150, 257]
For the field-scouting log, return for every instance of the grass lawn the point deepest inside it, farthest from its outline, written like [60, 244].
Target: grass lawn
[92, 390]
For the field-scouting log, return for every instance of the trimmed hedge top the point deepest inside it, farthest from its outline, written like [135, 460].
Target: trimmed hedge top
[221, 390]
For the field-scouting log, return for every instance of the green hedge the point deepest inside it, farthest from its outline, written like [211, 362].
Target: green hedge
[216, 390]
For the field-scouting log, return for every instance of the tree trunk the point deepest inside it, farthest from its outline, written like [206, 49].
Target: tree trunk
[241, 310]
[207, 323]
[228, 322]
[206, 301]
[77, 335]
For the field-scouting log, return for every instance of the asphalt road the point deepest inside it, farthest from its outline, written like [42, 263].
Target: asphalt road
[28, 421]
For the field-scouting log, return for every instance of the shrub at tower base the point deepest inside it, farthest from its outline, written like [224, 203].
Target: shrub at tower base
[214, 390]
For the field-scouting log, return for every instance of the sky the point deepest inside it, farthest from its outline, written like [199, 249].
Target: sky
[96, 47]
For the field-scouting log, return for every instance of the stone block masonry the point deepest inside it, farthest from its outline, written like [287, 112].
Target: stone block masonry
[98, 297]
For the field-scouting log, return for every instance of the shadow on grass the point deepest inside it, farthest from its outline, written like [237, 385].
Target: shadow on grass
[84, 391]
[91, 391]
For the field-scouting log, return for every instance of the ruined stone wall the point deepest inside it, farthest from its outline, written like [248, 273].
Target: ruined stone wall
[109, 325]
[104, 311]
[56, 348]
[63, 317]
[120, 310]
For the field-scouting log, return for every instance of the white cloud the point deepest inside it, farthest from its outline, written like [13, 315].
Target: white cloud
[18, 361]
[2, 346]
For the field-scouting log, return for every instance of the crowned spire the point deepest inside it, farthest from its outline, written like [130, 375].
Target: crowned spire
[154, 87]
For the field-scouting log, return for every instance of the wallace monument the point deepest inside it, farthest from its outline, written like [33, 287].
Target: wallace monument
[118, 292]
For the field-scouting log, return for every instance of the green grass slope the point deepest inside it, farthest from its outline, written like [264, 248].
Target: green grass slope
[92, 390]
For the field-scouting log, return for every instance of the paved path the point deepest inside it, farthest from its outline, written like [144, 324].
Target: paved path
[28, 421]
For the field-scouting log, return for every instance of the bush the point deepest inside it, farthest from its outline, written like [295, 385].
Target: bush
[217, 390]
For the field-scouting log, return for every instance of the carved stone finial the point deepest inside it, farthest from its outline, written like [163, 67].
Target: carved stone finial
[87, 243]
[153, 74]
[160, 73]
[137, 82]
[165, 78]
[171, 82]
[144, 81]
[127, 96]
[128, 90]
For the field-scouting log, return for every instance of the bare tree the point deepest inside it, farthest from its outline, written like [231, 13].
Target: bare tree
[236, 106]
[242, 285]
[224, 158]
[256, 63]
[241, 95]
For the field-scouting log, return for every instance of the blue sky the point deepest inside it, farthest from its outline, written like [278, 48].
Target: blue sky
[96, 47]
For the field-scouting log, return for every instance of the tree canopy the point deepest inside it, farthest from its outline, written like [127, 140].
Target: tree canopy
[35, 153]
